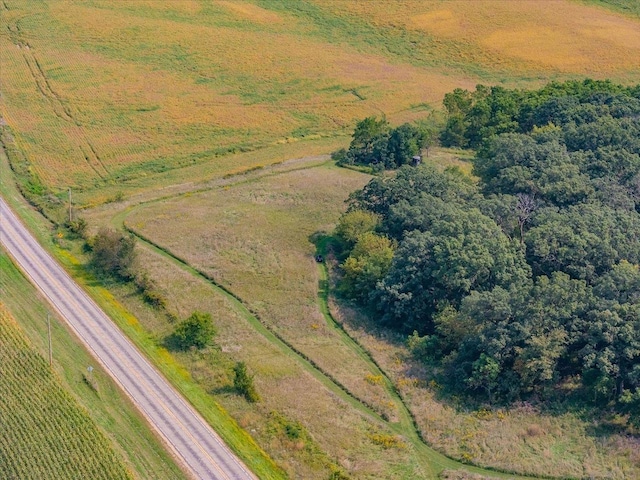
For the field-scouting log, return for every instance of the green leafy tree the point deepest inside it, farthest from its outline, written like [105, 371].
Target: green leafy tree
[243, 383]
[530, 277]
[114, 253]
[405, 142]
[353, 224]
[366, 144]
[462, 252]
[485, 374]
[367, 264]
[195, 331]
[584, 240]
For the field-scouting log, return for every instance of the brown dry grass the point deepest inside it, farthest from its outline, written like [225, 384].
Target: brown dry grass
[159, 85]
[553, 36]
[111, 90]
[254, 239]
[521, 439]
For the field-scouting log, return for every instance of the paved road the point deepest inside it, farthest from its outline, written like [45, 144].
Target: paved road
[193, 441]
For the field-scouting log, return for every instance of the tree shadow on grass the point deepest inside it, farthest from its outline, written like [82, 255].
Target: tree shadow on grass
[172, 343]
[225, 390]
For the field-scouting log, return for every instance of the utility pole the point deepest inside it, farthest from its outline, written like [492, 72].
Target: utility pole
[70, 219]
[50, 344]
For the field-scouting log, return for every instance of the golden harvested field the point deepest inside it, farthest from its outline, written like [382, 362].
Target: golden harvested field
[108, 92]
[526, 36]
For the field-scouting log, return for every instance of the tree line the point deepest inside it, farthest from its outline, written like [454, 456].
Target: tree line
[524, 281]
[377, 145]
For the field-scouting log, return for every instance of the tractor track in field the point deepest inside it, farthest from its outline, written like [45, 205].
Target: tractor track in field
[62, 110]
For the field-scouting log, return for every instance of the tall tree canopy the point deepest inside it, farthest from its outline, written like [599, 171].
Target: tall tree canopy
[530, 276]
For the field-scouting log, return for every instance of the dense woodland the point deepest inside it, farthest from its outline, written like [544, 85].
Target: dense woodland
[524, 281]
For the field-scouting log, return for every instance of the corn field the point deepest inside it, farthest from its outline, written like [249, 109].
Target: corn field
[44, 433]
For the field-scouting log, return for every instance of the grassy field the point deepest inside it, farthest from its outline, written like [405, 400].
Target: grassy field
[205, 124]
[342, 431]
[627, 7]
[231, 236]
[523, 439]
[512, 40]
[254, 238]
[102, 93]
[45, 433]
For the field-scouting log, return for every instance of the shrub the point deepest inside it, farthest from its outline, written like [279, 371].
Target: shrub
[150, 292]
[113, 253]
[243, 383]
[77, 227]
[196, 331]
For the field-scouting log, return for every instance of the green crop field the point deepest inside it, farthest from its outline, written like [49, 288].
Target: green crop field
[110, 422]
[45, 433]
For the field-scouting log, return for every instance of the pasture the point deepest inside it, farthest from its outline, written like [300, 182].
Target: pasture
[281, 288]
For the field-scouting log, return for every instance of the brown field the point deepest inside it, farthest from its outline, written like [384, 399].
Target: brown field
[554, 36]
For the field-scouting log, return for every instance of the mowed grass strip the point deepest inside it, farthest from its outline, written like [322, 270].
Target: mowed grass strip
[45, 433]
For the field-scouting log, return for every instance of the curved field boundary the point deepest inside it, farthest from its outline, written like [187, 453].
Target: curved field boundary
[407, 427]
